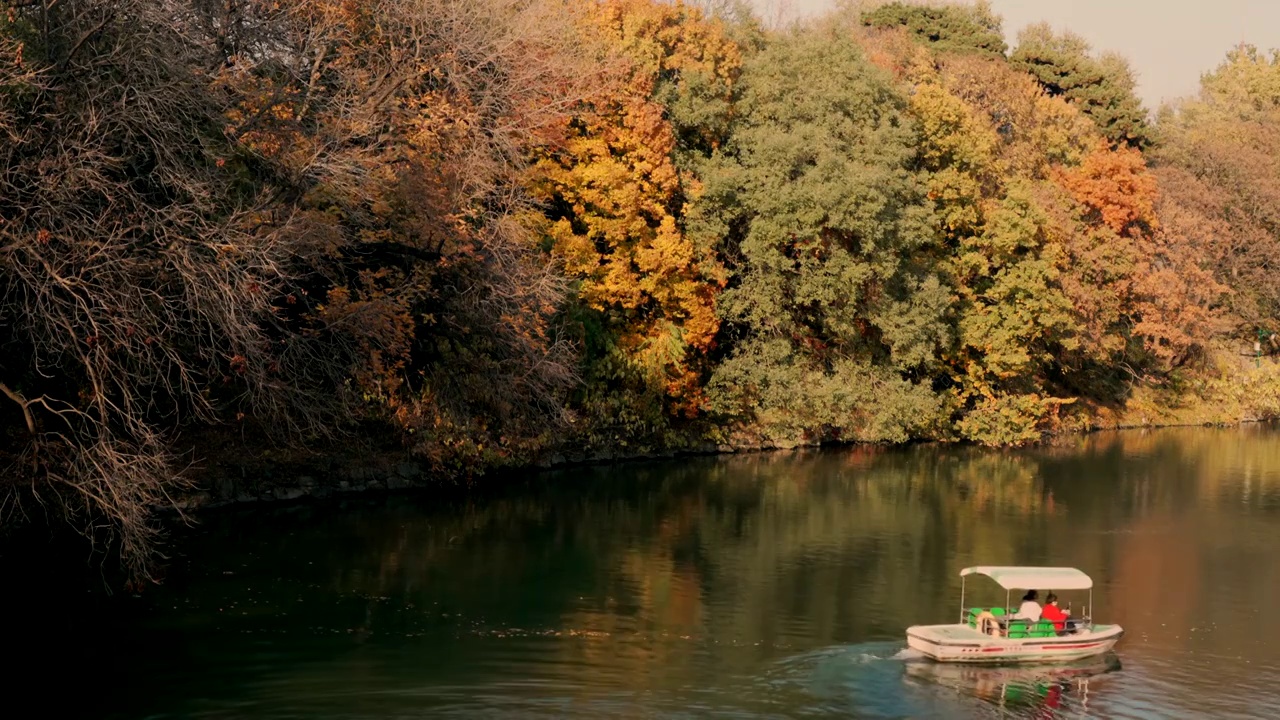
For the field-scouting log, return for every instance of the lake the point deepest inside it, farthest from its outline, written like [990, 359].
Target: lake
[770, 585]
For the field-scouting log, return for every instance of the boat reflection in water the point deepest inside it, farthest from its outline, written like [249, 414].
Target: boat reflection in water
[1021, 687]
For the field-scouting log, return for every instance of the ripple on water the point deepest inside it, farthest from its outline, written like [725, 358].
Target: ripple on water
[1169, 682]
[859, 680]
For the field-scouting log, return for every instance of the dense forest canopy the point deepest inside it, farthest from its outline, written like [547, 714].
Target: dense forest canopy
[489, 230]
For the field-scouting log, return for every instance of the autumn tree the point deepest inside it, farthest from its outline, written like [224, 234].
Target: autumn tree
[741, 23]
[615, 191]
[1220, 166]
[1132, 281]
[1246, 84]
[401, 129]
[1162, 295]
[1103, 87]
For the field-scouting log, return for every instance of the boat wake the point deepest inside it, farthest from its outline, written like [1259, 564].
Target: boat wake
[865, 679]
[909, 655]
[857, 654]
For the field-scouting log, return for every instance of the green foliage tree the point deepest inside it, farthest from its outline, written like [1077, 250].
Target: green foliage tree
[948, 28]
[1004, 259]
[1246, 84]
[1050, 247]
[1102, 87]
[833, 306]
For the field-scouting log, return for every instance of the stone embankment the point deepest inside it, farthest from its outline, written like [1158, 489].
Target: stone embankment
[223, 482]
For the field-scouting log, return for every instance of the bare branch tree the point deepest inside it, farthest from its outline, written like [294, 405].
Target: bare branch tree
[265, 211]
[137, 279]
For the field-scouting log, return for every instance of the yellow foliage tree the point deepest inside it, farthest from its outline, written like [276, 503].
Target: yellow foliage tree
[615, 194]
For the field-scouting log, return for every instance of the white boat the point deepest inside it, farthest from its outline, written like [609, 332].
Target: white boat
[991, 635]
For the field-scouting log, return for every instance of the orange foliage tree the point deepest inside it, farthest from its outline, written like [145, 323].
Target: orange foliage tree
[1131, 282]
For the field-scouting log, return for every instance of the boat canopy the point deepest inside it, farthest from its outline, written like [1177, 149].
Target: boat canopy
[1030, 578]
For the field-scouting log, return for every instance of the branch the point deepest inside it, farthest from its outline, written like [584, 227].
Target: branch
[84, 39]
[24, 403]
[392, 249]
[315, 78]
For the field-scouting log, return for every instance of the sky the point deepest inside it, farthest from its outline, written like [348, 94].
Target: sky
[1169, 43]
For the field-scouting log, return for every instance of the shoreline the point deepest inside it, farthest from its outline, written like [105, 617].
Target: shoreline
[343, 475]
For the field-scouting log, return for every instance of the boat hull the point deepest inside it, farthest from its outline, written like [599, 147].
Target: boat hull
[962, 644]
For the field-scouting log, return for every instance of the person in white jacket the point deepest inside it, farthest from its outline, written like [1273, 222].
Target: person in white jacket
[1030, 609]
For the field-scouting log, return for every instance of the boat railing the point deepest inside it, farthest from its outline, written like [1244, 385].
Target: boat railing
[1019, 627]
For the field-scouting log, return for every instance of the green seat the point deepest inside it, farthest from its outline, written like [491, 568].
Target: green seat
[1017, 634]
[1045, 627]
[971, 616]
[1041, 634]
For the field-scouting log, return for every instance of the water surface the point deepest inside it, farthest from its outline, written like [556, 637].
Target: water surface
[756, 586]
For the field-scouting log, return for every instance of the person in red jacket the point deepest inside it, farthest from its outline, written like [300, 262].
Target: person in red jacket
[1054, 614]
